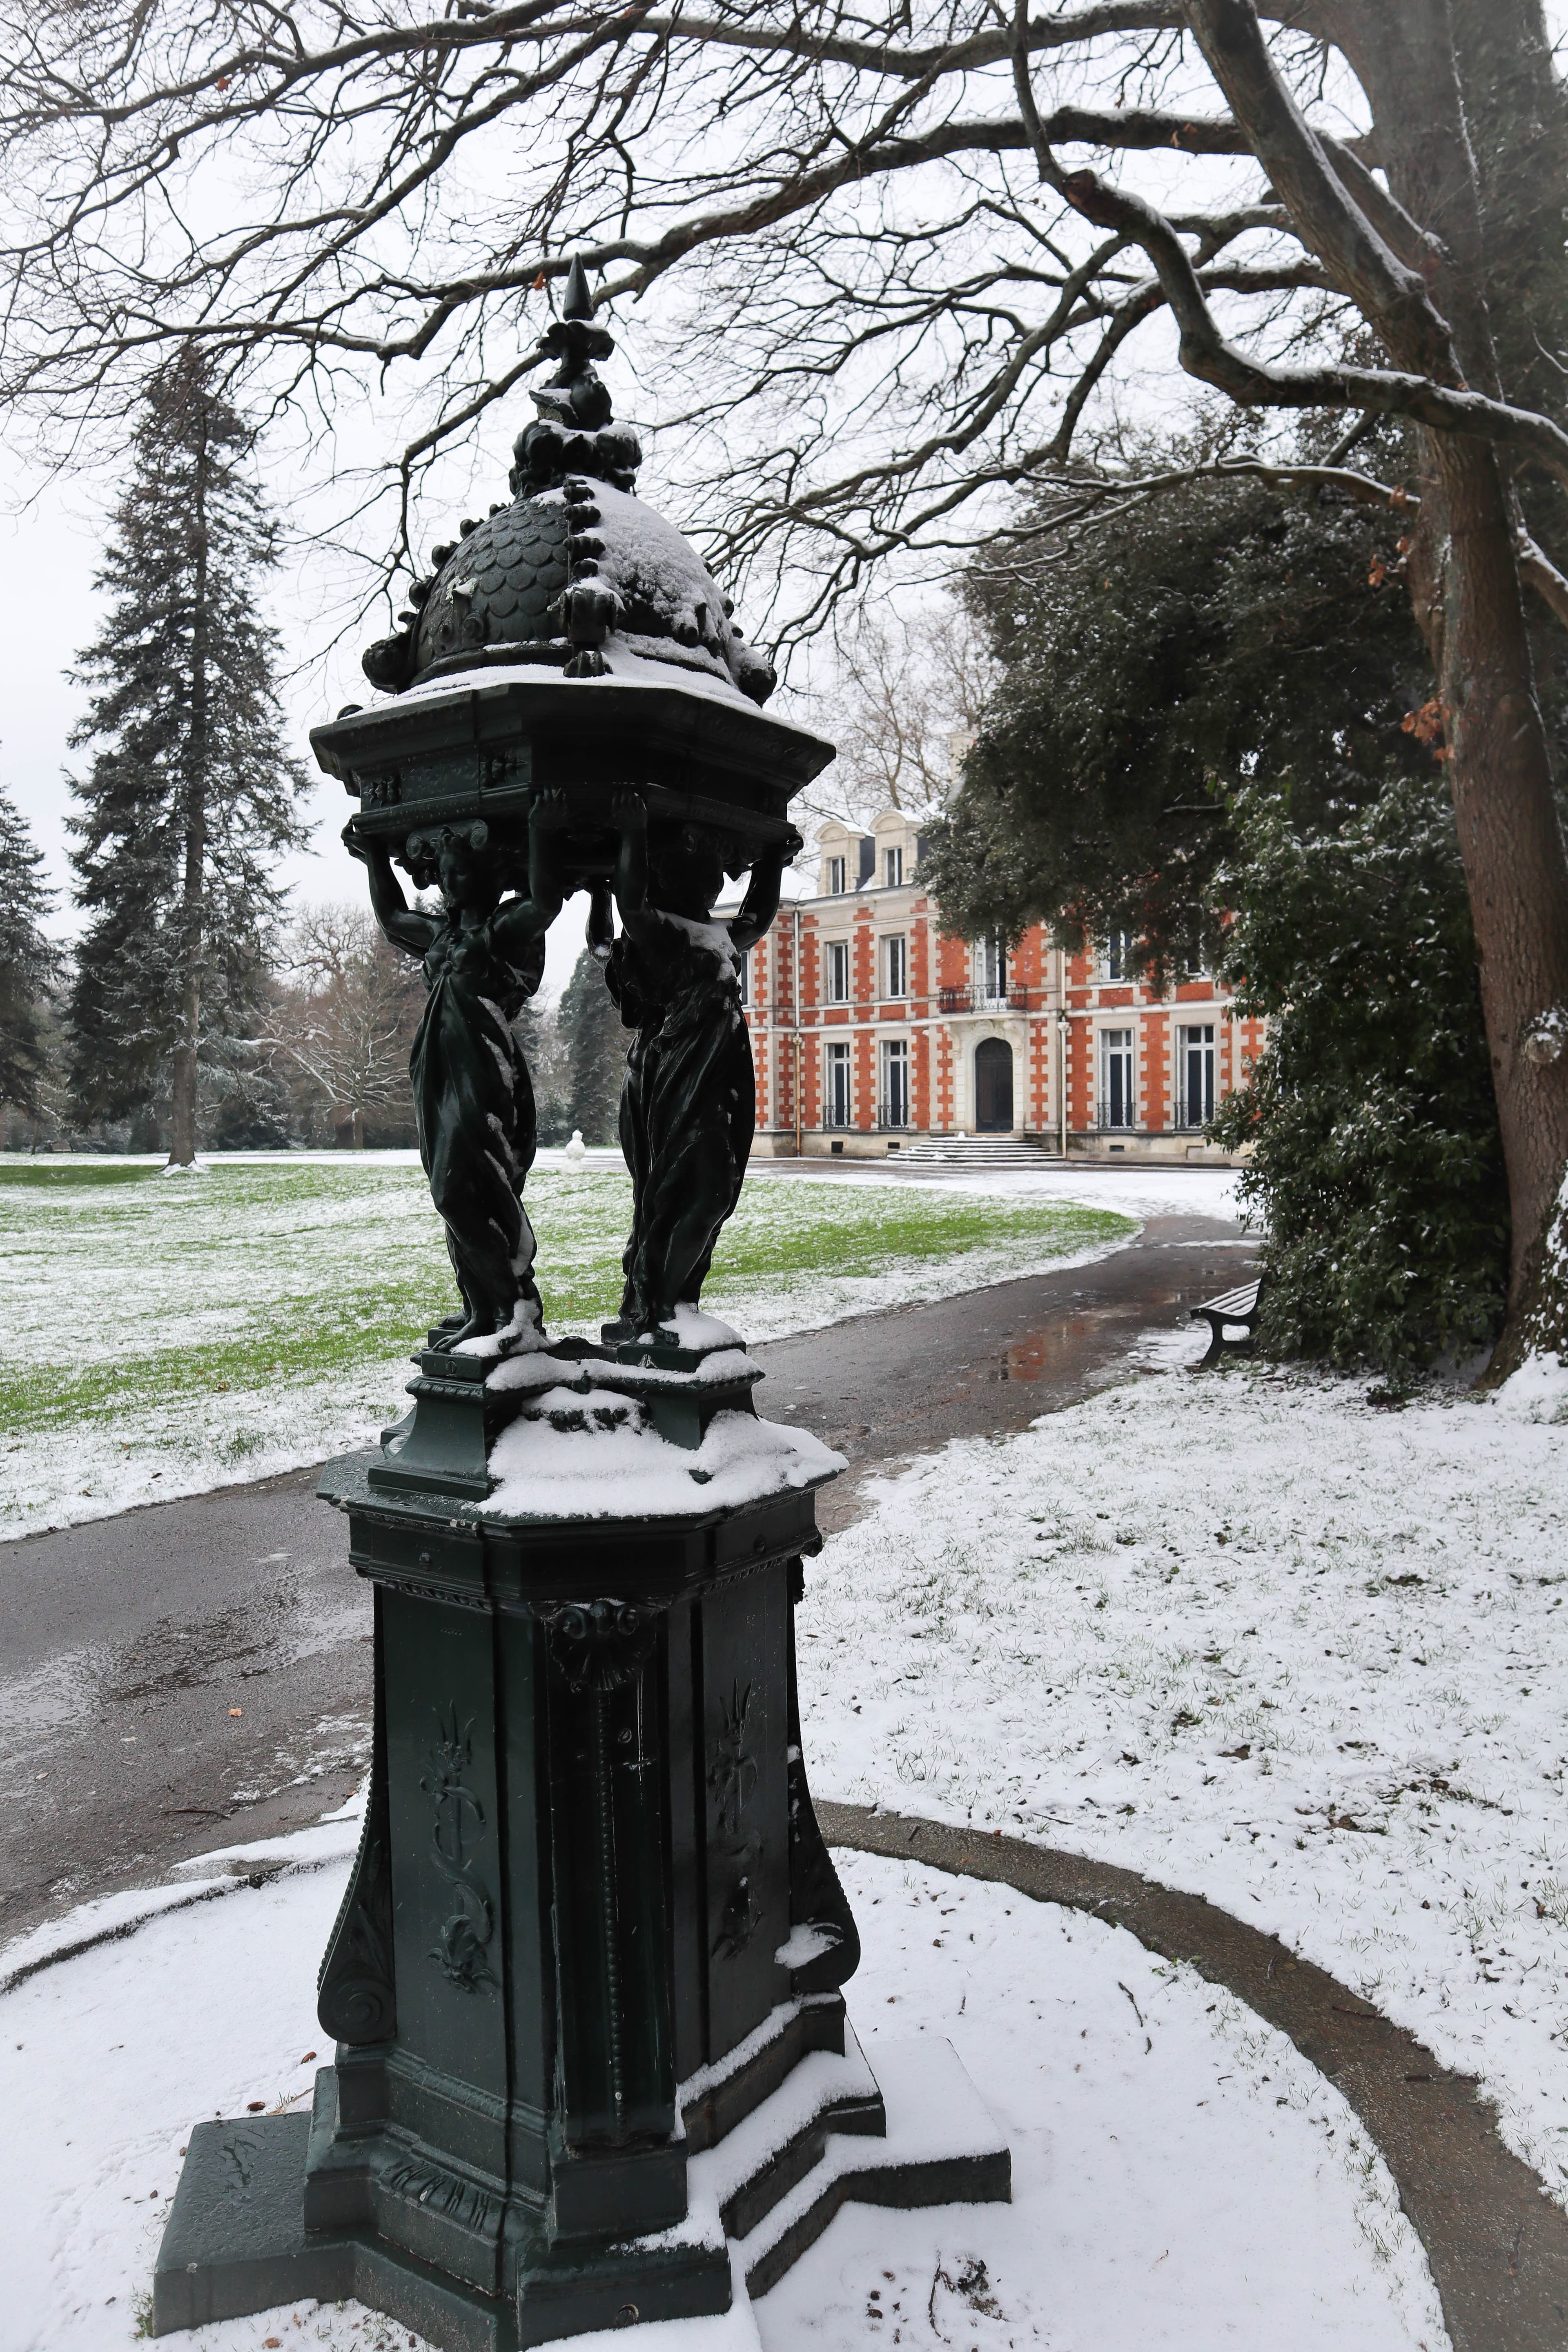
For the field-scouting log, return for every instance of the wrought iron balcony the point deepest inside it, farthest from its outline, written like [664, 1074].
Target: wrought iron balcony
[974, 999]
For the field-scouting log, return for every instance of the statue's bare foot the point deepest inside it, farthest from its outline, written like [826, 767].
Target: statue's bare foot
[477, 1326]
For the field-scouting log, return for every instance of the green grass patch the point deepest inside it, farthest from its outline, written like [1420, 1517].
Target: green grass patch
[196, 1311]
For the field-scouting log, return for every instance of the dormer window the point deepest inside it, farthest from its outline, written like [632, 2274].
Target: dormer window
[892, 869]
[835, 877]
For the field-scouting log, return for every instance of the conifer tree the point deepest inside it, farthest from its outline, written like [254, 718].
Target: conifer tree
[594, 1051]
[28, 961]
[191, 799]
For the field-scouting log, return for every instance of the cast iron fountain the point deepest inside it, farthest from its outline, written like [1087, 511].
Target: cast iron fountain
[593, 2057]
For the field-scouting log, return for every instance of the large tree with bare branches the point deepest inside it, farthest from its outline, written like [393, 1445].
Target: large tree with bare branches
[344, 1017]
[919, 259]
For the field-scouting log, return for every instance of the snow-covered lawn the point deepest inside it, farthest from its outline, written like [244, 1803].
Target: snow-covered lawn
[1181, 2177]
[1252, 1636]
[165, 1335]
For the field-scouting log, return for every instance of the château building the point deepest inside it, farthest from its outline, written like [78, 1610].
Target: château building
[873, 1030]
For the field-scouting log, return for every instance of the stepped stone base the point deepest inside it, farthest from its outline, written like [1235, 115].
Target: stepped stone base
[914, 2133]
[975, 1151]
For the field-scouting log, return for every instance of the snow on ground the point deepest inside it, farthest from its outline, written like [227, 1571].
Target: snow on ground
[1144, 1190]
[165, 1339]
[1182, 2178]
[1253, 1636]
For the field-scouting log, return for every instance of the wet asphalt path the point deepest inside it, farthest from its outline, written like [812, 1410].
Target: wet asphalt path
[196, 1674]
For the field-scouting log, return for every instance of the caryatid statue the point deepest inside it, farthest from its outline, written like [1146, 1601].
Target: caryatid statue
[473, 1096]
[689, 1099]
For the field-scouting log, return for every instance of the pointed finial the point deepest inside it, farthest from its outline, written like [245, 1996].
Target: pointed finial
[574, 432]
[578, 302]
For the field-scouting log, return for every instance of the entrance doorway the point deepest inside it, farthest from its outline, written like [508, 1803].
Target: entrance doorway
[994, 1086]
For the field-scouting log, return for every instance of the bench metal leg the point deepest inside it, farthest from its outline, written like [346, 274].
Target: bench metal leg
[1219, 1346]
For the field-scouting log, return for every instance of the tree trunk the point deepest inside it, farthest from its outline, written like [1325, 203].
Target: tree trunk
[358, 1129]
[1512, 843]
[1466, 590]
[183, 1108]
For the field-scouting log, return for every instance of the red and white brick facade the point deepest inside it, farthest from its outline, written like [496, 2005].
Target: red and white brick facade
[871, 1028]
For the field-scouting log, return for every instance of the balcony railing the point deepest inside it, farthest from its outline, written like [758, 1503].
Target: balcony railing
[1109, 1125]
[1195, 1114]
[989, 999]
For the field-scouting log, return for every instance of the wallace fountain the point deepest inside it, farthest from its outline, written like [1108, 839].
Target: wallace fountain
[594, 2065]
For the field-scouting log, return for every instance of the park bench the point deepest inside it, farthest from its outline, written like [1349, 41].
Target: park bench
[1224, 1312]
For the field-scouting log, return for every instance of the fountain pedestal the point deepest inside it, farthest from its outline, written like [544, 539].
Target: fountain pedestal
[593, 1935]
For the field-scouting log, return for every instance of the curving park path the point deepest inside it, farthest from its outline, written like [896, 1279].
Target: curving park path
[126, 1644]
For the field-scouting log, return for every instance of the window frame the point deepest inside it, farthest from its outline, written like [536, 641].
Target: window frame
[896, 942]
[836, 952]
[990, 948]
[1126, 1034]
[1206, 1036]
[1115, 958]
[835, 1057]
[895, 1054]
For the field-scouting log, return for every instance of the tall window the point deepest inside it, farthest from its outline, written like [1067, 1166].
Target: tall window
[892, 869]
[1116, 1096]
[835, 877]
[743, 977]
[896, 952]
[991, 965]
[837, 1085]
[1194, 1057]
[838, 971]
[1118, 956]
[895, 1082]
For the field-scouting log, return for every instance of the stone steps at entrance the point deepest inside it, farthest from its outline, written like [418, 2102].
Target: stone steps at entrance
[975, 1151]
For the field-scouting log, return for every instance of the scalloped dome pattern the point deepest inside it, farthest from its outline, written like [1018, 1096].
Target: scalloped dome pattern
[497, 585]
[527, 575]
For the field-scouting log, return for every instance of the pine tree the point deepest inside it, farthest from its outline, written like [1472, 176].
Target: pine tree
[594, 1051]
[28, 963]
[191, 798]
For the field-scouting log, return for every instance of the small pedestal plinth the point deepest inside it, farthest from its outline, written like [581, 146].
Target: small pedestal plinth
[593, 1937]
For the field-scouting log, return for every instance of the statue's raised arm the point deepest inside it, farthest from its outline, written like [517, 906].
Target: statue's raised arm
[761, 903]
[519, 924]
[409, 928]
